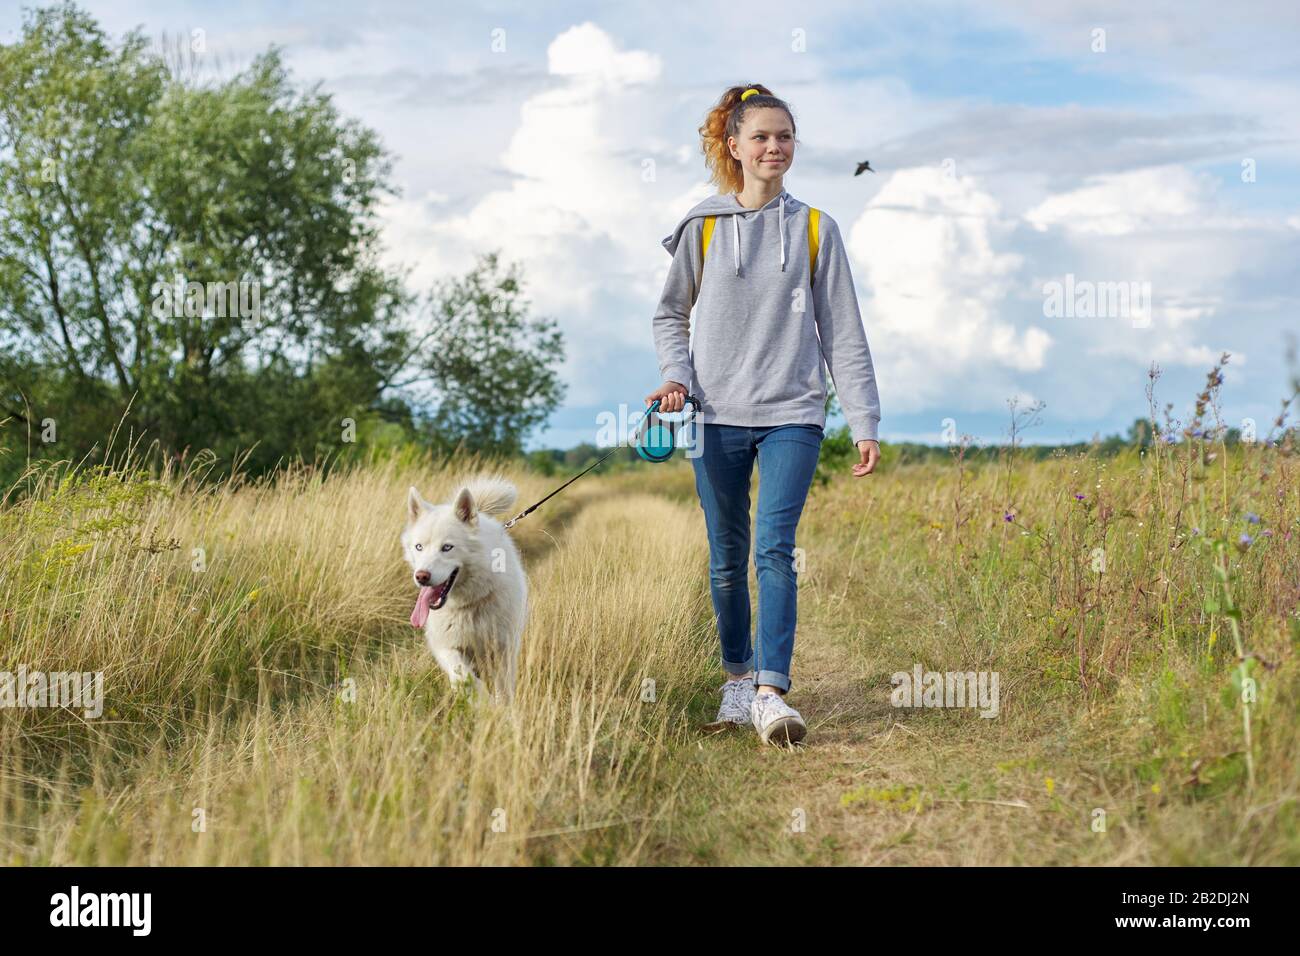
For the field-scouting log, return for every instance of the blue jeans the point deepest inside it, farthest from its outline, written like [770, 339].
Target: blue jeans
[723, 462]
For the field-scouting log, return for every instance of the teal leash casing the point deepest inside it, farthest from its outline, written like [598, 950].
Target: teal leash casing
[658, 437]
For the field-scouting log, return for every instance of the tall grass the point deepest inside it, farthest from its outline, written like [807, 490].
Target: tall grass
[1143, 614]
[267, 701]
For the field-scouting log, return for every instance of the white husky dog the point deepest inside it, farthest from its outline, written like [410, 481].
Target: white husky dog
[471, 578]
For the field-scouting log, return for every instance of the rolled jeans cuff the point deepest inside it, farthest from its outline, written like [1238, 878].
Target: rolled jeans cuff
[739, 669]
[772, 679]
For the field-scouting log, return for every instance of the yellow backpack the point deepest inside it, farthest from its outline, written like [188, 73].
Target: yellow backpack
[814, 233]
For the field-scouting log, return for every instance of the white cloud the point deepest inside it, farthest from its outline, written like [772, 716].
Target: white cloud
[578, 214]
[588, 53]
[929, 247]
[1168, 228]
[1113, 205]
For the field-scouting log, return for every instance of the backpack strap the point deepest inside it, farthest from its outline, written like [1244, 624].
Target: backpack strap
[814, 239]
[709, 223]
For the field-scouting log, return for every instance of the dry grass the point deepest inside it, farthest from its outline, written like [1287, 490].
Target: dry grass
[280, 691]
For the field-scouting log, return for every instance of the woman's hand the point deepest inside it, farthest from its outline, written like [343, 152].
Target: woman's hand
[870, 452]
[672, 396]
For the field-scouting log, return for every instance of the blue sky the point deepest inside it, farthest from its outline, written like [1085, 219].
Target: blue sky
[1011, 153]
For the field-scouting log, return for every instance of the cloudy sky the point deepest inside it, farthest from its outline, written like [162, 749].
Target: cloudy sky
[1019, 145]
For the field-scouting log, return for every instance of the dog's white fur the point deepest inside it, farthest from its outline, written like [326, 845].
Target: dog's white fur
[476, 634]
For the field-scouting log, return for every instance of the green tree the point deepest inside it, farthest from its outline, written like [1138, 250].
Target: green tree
[488, 362]
[201, 258]
[120, 185]
[1139, 433]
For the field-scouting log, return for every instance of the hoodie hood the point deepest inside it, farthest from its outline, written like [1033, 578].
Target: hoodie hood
[729, 205]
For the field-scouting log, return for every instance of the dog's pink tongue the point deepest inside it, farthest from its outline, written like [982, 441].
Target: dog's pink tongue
[421, 612]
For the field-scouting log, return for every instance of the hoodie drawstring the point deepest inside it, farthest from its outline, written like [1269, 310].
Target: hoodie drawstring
[735, 225]
[781, 229]
[736, 245]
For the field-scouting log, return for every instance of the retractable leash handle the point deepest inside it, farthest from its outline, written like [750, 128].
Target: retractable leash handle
[656, 442]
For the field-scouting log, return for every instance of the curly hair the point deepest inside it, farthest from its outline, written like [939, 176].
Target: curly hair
[724, 120]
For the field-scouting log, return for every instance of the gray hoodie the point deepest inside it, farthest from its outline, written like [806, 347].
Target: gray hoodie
[760, 333]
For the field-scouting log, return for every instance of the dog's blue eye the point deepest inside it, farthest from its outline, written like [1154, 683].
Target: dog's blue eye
[419, 547]
[447, 547]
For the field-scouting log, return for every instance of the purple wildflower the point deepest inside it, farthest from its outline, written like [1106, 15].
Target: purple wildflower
[1246, 540]
[1078, 497]
[1007, 516]
[1252, 517]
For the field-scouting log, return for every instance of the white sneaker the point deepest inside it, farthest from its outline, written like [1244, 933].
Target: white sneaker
[737, 695]
[775, 720]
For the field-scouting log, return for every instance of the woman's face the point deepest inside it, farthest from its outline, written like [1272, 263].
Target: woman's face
[765, 147]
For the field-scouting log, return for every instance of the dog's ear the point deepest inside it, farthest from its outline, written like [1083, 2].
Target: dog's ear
[415, 504]
[464, 508]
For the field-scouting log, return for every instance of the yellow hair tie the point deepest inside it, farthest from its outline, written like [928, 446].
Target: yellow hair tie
[748, 93]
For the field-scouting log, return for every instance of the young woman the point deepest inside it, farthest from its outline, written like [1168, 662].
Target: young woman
[766, 318]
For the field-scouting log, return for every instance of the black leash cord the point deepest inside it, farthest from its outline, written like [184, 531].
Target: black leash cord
[532, 508]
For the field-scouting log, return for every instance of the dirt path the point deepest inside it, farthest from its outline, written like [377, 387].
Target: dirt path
[876, 784]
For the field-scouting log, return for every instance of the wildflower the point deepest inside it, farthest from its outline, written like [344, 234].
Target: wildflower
[1267, 532]
[1244, 542]
[1050, 784]
[1078, 497]
[1252, 517]
[1196, 530]
[1008, 516]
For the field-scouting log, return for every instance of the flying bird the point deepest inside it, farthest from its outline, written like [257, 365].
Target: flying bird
[864, 166]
